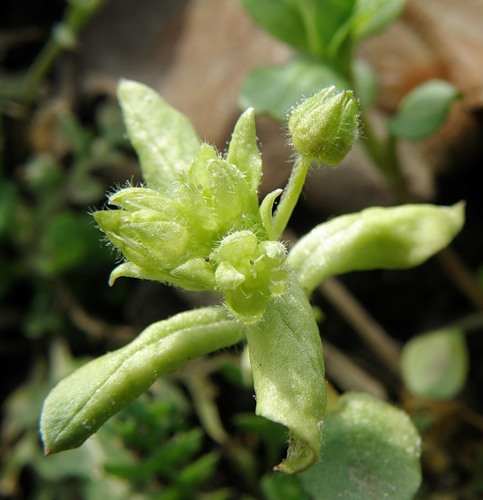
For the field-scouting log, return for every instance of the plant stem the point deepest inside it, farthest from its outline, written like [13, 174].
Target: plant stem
[376, 337]
[63, 37]
[290, 196]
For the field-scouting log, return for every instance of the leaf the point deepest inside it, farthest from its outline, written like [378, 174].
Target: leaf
[288, 372]
[274, 90]
[372, 16]
[82, 402]
[307, 25]
[371, 450]
[280, 18]
[375, 238]
[423, 110]
[163, 138]
[435, 365]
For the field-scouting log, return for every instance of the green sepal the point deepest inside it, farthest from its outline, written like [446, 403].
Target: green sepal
[266, 211]
[82, 402]
[288, 371]
[163, 138]
[243, 150]
[196, 283]
[376, 238]
[195, 272]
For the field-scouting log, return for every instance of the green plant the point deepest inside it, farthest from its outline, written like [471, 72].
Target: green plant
[198, 225]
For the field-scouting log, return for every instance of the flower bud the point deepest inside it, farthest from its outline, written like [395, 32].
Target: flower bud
[323, 127]
[249, 273]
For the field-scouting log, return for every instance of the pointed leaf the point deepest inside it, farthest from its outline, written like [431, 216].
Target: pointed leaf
[82, 402]
[376, 238]
[371, 450]
[163, 138]
[435, 365]
[288, 372]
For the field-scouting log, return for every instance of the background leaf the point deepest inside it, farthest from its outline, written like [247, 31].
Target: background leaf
[307, 25]
[371, 451]
[435, 365]
[372, 16]
[275, 89]
[423, 110]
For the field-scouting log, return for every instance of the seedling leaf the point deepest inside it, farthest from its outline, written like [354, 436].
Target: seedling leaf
[371, 450]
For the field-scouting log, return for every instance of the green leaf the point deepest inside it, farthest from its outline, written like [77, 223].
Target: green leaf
[376, 238]
[423, 110]
[371, 451]
[288, 372]
[163, 138]
[307, 25]
[82, 402]
[372, 16]
[280, 18]
[435, 365]
[274, 90]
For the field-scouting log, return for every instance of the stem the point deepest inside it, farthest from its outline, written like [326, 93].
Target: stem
[290, 196]
[312, 31]
[385, 157]
[75, 17]
[373, 334]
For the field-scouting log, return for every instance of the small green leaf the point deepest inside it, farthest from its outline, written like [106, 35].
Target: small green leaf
[435, 365]
[274, 90]
[376, 238]
[423, 110]
[288, 372]
[82, 402]
[372, 16]
[371, 450]
[163, 138]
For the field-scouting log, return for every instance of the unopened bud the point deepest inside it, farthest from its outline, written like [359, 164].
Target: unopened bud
[323, 127]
